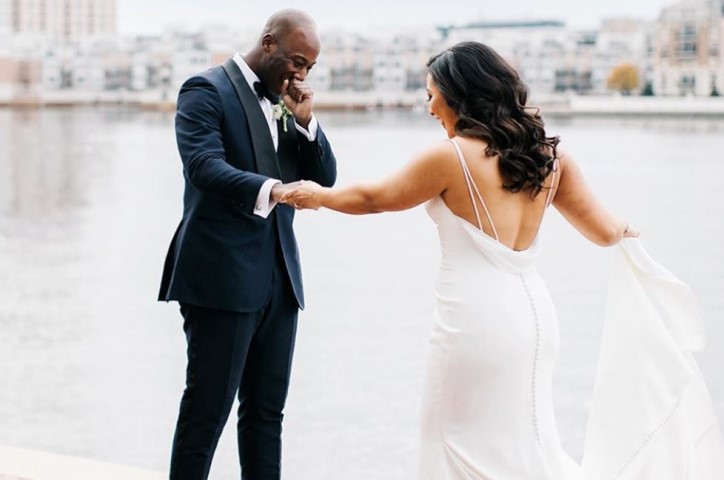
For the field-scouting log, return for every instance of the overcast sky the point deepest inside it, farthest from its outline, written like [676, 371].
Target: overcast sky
[150, 16]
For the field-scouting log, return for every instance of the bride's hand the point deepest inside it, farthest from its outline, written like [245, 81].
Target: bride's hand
[306, 195]
[630, 232]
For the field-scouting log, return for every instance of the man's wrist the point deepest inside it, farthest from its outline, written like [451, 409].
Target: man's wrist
[303, 122]
[310, 130]
[277, 191]
[264, 199]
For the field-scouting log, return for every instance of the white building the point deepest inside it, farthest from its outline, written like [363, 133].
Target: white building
[223, 41]
[717, 7]
[346, 62]
[689, 42]
[537, 49]
[623, 40]
[389, 64]
[53, 71]
[400, 61]
[65, 20]
[21, 66]
[4, 18]
[189, 57]
[73, 68]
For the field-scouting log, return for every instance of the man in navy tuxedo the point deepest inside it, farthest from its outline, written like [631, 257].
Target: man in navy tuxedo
[233, 263]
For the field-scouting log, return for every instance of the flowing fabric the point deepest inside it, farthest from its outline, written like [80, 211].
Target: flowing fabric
[488, 402]
[651, 415]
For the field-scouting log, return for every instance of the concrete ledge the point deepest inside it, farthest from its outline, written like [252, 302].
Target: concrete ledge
[21, 464]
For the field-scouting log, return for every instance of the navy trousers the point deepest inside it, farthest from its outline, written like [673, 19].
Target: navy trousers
[229, 353]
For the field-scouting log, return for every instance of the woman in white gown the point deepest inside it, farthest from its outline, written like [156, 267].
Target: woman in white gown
[487, 406]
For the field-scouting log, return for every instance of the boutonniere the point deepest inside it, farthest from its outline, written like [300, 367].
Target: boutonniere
[280, 111]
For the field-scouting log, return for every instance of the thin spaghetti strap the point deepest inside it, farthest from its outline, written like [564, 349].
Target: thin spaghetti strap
[471, 186]
[549, 197]
[468, 181]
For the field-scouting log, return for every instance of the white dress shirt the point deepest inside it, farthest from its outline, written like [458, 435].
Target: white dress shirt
[264, 203]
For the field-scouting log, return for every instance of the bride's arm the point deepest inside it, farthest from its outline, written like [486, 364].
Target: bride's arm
[580, 207]
[424, 177]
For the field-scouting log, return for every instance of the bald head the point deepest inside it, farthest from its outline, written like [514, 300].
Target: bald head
[291, 24]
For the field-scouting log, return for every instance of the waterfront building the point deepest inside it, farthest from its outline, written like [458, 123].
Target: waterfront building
[399, 60]
[622, 40]
[64, 20]
[537, 49]
[688, 54]
[4, 18]
[345, 62]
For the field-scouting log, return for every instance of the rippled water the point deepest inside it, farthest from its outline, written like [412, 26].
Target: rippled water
[91, 365]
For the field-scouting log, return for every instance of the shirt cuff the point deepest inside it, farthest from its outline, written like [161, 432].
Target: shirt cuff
[311, 132]
[264, 204]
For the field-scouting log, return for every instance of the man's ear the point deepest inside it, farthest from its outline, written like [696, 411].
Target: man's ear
[267, 42]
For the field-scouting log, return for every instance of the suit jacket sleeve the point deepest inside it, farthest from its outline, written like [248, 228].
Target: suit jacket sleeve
[200, 143]
[318, 162]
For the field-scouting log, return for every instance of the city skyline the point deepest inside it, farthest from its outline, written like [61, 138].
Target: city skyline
[675, 52]
[151, 16]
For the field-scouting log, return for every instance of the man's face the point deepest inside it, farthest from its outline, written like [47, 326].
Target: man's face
[289, 58]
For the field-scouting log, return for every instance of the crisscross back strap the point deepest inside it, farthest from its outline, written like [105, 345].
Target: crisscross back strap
[549, 197]
[474, 188]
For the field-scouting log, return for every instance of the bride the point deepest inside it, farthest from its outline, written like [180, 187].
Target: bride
[488, 406]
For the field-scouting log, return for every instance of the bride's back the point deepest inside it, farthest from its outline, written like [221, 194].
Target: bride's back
[516, 217]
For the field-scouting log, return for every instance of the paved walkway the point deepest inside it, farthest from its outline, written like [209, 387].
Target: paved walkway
[22, 464]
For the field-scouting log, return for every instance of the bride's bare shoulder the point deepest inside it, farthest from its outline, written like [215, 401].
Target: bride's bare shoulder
[440, 152]
[446, 148]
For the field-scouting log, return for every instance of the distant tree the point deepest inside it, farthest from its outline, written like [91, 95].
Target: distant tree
[648, 90]
[714, 91]
[624, 78]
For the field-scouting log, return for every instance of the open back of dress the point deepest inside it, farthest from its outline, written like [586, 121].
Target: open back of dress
[488, 406]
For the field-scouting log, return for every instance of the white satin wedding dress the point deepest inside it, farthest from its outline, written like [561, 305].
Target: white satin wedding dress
[488, 405]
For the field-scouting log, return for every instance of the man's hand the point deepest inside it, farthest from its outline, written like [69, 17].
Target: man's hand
[279, 189]
[298, 96]
[307, 195]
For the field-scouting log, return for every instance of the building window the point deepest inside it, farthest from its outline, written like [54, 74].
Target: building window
[686, 41]
[687, 84]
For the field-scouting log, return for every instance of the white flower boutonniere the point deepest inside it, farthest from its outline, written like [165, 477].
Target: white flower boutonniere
[280, 111]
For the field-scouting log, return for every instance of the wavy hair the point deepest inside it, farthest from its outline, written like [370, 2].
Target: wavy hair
[489, 99]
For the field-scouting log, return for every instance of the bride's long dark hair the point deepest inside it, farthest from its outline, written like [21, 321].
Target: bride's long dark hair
[489, 99]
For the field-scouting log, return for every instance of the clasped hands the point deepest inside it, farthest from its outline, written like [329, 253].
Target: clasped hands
[300, 195]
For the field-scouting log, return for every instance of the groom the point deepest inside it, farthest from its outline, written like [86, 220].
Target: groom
[233, 264]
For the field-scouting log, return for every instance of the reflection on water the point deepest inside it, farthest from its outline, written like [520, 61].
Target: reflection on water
[43, 171]
[91, 365]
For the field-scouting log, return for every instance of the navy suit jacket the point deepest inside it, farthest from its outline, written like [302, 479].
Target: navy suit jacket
[222, 255]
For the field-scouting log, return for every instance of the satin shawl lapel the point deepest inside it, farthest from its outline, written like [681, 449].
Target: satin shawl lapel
[264, 154]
